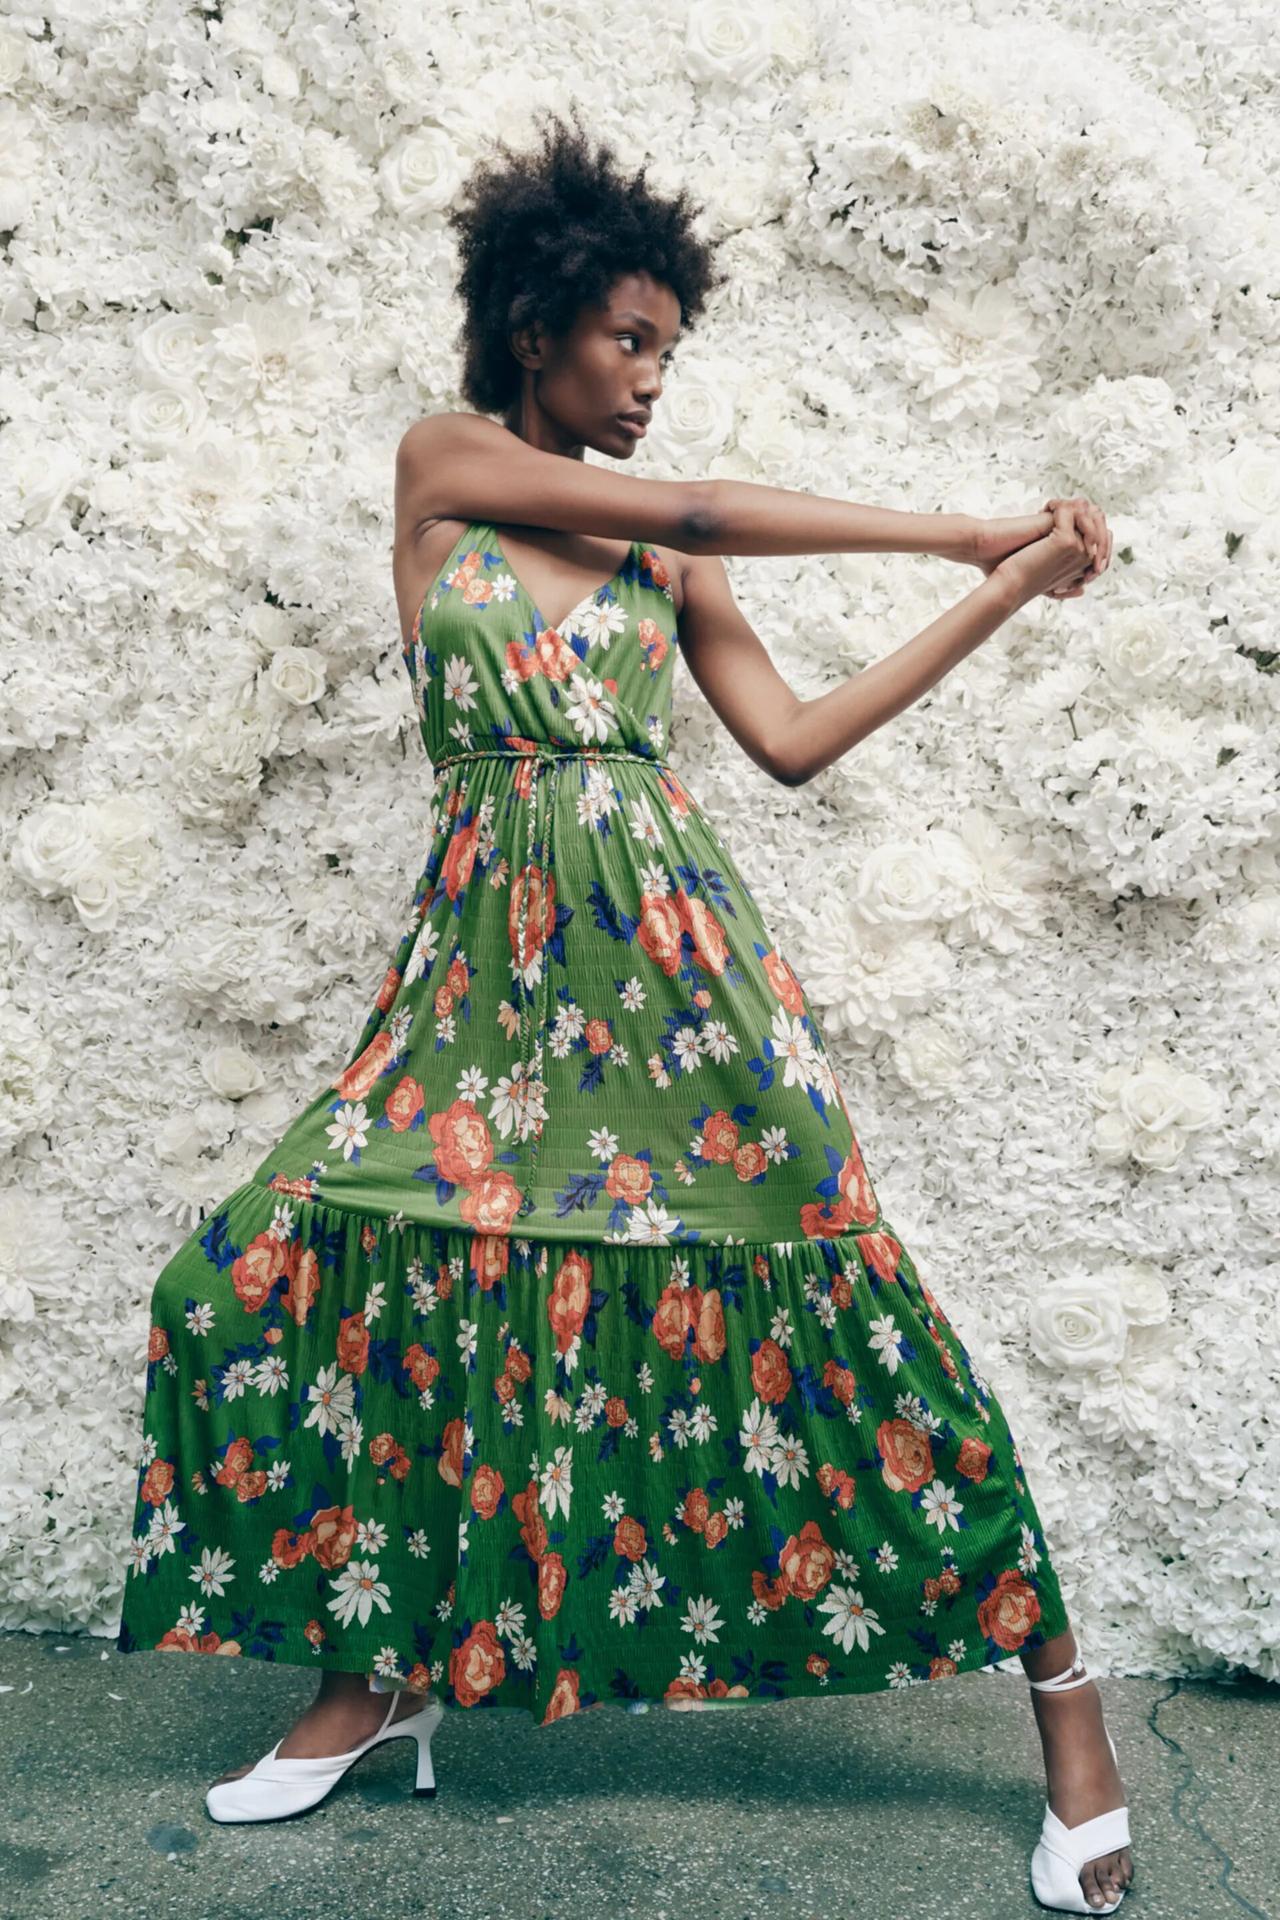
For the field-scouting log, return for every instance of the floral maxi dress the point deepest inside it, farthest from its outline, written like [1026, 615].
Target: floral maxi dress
[559, 1352]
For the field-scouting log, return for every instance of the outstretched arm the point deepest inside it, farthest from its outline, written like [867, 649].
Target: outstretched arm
[467, 466]
[743, 516]
[793, 739]
[471, 467]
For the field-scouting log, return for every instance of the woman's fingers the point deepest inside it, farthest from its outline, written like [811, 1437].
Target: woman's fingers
[1092, 526]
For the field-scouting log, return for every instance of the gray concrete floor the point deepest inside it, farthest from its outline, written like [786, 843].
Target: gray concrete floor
[918, 1805]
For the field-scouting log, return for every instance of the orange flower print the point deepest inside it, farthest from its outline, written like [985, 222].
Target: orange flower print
[1010, 1611]
[783, 981]
[659, 930]
[710, 943]
[464, 1145]
[260, 1266]
[404, 1103]
[907, 1455]
[354, 1082]
[477, 1666]
[491, 1203]
[460, 858]
[533, 894]
[570, 1299]
[629, 1179]
[303, 1289]
[770, 1373]
[486, 1491]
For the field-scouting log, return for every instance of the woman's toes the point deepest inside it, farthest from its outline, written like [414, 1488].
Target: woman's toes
[1104, 1880]
[237, 1775]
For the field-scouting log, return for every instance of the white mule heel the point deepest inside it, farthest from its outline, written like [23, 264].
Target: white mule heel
[275, 1789]
[1061, 1851]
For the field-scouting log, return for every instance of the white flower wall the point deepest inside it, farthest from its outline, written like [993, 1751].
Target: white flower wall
[979, 255]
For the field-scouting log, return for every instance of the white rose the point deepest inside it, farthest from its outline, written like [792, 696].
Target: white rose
[1076, 1323]
[52, 847]
[740, 194]
[162, 417]
[696, 417]
[297, 674]
[270, 627]
[1107, 1087]
[1150, 1097]
[232, 1072]
[96, 897]
[1199, 1103]
[767, 433]
[1159, 1150]
[1159, 1096]
[37, 476]
[897, 883]
[179, 1139]
[171, 351]
[1141, 644]
[1112, 1138]
[928, 1059]
[1247, 483]
[424, 171]
[727, 42]
[1142, 1293]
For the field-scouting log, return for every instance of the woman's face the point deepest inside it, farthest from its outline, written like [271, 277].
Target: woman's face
[576, 386]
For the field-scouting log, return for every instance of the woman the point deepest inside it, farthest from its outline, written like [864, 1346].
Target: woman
[560, 1351]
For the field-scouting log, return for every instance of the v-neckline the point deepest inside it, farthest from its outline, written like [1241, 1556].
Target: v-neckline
[592, 593]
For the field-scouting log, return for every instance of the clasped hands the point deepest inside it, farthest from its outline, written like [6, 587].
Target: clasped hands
[992, 541]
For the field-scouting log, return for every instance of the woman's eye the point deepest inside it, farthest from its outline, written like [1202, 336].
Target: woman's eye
[667, 358]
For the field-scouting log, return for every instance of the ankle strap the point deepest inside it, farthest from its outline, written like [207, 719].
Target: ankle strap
[1063, 1682]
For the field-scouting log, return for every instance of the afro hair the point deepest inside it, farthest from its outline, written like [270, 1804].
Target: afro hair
[541, 235]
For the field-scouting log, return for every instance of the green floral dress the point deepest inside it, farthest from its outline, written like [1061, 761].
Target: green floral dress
[559, 1353]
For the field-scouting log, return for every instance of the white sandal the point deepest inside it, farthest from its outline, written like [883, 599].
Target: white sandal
[275, 1789]
[1061, 1851]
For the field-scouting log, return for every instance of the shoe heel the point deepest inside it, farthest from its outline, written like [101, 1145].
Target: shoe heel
[424, 1785]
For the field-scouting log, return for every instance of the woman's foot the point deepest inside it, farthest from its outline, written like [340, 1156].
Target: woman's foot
[1082, 1778]
[343, 1713]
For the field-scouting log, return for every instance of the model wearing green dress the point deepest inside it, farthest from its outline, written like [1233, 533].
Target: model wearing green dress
[559, 1353]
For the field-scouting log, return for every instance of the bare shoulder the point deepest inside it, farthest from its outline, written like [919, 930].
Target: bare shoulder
[427, 438]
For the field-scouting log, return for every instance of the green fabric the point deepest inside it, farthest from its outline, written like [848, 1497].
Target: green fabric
[559, 1352]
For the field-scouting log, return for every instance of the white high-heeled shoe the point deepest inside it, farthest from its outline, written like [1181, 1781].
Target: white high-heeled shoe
[275, 1789]
[1061, 1851]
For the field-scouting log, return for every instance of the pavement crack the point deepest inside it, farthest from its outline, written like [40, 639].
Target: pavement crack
[1188, 1815]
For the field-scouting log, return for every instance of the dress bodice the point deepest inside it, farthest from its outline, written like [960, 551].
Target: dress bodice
[487, 671]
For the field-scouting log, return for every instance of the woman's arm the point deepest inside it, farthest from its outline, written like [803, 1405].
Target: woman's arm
[793, 739]
[465, 466]
[743, 517]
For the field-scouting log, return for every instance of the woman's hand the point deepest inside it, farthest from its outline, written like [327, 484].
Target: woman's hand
[995, 540]
[1054, 565]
